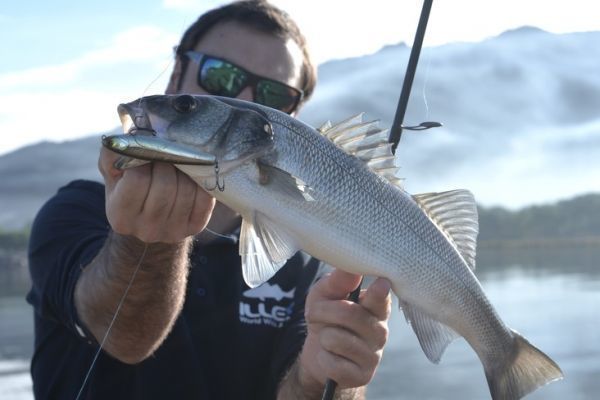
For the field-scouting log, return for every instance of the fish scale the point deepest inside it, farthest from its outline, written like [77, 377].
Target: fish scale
[366, 195]
[297, 190]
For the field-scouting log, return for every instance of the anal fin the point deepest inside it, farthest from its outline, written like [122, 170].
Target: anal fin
[433, 336]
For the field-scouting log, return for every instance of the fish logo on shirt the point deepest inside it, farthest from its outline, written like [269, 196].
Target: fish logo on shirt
[267, 305]
[268, 291]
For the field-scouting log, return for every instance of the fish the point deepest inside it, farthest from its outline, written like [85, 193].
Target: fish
[268, 291]
[333, 192]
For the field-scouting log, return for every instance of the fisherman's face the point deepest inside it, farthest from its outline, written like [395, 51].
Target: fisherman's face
[257, 52]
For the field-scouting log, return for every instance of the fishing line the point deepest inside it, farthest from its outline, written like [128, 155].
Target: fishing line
[114, 318]
[185, 22]
[424, 91]
[396, 130]
[160, 74]
[137, 268]
[217, 234]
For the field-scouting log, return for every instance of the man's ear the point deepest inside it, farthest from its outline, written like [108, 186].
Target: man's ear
[175, 78]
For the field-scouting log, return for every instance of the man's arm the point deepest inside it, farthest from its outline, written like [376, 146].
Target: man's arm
[153, 211]
[345, 340]
[292, 388]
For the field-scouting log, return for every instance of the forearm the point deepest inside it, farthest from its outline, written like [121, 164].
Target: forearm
[294, 386]
[153, 301]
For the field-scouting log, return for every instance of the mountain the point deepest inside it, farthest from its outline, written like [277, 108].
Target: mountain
[520, 113]
[31, 174]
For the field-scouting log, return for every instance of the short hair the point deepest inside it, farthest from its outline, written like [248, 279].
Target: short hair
[257, 14]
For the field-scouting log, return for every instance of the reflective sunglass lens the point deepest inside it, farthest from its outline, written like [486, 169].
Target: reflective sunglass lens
[221, 78]
[276, 95]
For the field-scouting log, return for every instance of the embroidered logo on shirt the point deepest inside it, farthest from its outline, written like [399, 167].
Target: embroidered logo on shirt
[268, 291]
[267, 305]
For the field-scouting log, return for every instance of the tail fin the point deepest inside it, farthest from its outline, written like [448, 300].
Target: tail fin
[526, 369]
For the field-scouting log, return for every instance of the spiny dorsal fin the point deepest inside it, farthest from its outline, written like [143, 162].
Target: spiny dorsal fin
[367, 142]
[455, 213]
[324, 127]
[329, 127]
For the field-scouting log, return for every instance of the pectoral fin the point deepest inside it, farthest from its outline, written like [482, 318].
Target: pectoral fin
[285, 183]
[264, 248]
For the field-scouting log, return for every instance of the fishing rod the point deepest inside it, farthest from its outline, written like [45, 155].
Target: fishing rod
[411, 68]
[396, 132]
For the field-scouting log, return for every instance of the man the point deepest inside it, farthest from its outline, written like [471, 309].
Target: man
[152, 260]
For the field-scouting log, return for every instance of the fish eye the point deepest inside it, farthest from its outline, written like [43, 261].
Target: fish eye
[184, 103]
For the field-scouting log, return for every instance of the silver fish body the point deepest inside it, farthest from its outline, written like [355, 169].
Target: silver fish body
[298, 190]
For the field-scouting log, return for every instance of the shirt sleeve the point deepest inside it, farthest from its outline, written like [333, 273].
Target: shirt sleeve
[67, 233]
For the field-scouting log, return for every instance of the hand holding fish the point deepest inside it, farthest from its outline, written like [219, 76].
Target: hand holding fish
[143, 234]
[345, 340]
[333, 193]
[137, 198]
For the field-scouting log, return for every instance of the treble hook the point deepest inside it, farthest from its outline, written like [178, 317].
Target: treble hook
[219, 183]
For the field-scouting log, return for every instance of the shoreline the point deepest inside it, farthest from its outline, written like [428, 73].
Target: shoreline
[591, 242]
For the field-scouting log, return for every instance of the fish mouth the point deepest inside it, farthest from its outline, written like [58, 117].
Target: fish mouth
[145, 138]
[135, 120]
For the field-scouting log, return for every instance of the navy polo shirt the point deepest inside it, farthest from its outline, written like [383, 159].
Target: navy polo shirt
[229, 342]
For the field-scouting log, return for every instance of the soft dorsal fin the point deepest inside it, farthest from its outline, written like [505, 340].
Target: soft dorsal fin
[367, 142]
[455, 213]
[264, 249]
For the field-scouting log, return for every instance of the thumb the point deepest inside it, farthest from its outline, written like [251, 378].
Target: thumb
[338, 285]
[106, 167]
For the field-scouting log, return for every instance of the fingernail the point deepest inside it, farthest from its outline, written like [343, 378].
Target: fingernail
[382, 286]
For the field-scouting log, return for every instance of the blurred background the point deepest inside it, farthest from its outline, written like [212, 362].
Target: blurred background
[515, 83]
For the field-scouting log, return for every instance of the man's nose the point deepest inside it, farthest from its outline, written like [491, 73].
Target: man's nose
[246, 94]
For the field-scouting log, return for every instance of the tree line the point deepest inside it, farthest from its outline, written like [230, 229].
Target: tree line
[578, 217]
[571, 219]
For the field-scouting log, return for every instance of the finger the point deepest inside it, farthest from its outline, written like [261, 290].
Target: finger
[337, 285]
[193, 206]
[163, 188]
[185, 194]
[350, 316]
[343, 371]
[377, 298]
[349, 346]
[203, 207]
[125, 199]
[106, 161]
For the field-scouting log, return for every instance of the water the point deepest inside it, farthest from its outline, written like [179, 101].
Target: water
[16, 344]
[552, 297]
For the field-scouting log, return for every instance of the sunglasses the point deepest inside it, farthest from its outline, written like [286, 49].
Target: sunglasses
[224, 78]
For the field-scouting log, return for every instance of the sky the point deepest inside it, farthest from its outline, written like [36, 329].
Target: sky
[66, 65]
